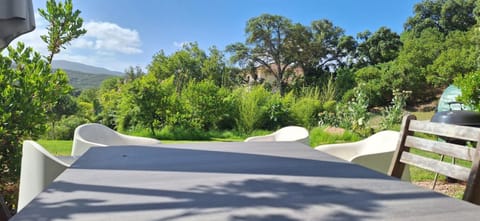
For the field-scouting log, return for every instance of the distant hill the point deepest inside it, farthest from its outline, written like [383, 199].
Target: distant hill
[79, 67]
[83, 76]
[80, 80]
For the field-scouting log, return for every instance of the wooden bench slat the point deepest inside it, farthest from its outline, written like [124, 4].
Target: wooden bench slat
[445, 130]
[448, 169]
[448, 149]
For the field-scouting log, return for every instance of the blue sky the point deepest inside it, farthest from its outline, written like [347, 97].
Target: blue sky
[123, 33]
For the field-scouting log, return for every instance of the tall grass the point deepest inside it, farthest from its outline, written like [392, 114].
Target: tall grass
[250, 108]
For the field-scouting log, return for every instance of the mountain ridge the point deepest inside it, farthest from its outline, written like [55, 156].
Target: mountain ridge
[82, 76]
[79, 67]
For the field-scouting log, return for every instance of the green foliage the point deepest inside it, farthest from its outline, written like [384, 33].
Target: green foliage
[202, 104]
[393, 114]
[443, 15]
[27, 91]
[64, 128]
[409, 71]
[470, 87]
[230, 112]
[305, 109]
[375, 86]
[65, 106]
[344, 81]
[64, 26]
[192, 63]
[379, 47]
[458, 58]
[149, 101]
[352, 115]
[251, 102]
[277, 111]
[267, 37]
[319, 136]
[108, 104]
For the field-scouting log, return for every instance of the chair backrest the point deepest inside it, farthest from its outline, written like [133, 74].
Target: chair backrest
[38, 169]
[374, 152]
[291, 133]
[93, 134]
[98, 133]
[409, 139]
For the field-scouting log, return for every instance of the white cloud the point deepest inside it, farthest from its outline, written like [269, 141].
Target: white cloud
[106, 36]
[104, 45]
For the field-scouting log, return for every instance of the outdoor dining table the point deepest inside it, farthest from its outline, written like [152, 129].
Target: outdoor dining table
[233, 181]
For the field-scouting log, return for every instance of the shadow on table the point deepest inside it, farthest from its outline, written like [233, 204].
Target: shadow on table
[282, 198]
[276, 199]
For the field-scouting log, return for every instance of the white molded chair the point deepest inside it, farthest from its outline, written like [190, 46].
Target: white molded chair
[374, 152]
[38, 169]
[92, 134]
[290, 133]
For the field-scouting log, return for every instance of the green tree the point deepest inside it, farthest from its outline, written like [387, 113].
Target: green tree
[64, 26]
[379, 47]
[27, 90]
[65, 106]
[149, 100]
[202, 104]
[333, 48]
[132, 73]
[185, 65]
[409, 71]
[443, 15]
[458, 57]
[374, 85]
[267, 46]
[470, 89]
[324, 49]
[214, 68]
[110, 96]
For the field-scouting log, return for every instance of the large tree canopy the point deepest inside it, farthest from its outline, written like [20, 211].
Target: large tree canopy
[276, 44]
[270, 44]
[443, 15]
[379, 47]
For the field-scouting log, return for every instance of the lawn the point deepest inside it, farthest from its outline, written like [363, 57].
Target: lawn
[57, 147]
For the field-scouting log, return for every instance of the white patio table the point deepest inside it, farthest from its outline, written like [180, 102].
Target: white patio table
[233, 181]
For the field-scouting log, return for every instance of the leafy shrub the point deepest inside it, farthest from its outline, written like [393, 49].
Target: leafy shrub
[251, 103]
[305, 111]
[226, 118]
[277, 113]
[202, 104]
[352, 115]
[393, 113]
[28, 90]
[64, 128]
[470, 87]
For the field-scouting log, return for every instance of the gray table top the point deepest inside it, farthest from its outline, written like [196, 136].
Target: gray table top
[233, 181]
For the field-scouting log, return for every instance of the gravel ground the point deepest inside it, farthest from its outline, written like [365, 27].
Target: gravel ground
[449, 189]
